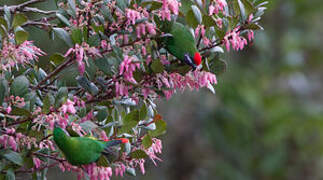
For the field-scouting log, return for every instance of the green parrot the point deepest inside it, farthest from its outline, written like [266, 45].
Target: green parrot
[83, 150]
[180, 42]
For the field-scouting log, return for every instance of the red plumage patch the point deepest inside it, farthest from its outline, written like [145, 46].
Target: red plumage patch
[197, 58]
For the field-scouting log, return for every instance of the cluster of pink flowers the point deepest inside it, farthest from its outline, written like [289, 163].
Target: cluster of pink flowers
[15, 140]
[141, 29]
[12, 55]
[201, 29]
[81, 53]
[192, 80]
[217, 6]
[127, 67]
[169, 7]
[234, 39]
[132, 16]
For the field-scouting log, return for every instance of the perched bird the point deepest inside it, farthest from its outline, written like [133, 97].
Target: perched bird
[83, 150]
[180, 42]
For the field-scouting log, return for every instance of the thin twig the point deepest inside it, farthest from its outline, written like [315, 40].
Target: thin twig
[53, 73]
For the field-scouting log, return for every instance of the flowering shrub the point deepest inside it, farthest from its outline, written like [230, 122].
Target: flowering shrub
[106, 82]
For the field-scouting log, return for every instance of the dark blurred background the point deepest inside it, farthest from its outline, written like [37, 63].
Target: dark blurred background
[266, 119]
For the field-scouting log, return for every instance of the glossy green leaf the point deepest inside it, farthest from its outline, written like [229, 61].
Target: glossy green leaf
[13, 157]
[3, 89]
[87, 85]
[138, 154]
[217, 66]
[146, 141]
[143, 112]
[57, 58]
[63, 19]
[61, 95]
[63, 35]
[20, 35]
[18, 20]
[160, 128]
[190, 19]
[46, 104]
[19, 86]
[197, 13]
[157, 66]
[77, 36]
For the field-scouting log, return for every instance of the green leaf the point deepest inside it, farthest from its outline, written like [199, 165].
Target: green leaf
[94, 40]
[242, 10]
[143, 112]
[208, 21]
[18, 20]
[132, 116]
[87, 85]
[72, 6]
[186, 6]
[131, 120]
[131, 171]
[13, 157]
[103, 65]
[20, 112]
[77, 35]
[152, 5]
[157, 66]
[138, 154]
[217, 66]
[197, 13]
[19, 86]
[103, 162]
[63, 19]
[60, 96]
[122, 4]
[10, 174]
[190, 19]
[3, 89]
[63, 35]
[3, 26]
[160, 128]
[46, 104]
[249, 8]
[57, 58]
[102, 113]
[146, 141]
[20, 35]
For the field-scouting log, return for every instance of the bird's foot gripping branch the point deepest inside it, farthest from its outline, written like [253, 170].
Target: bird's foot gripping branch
[90, 109]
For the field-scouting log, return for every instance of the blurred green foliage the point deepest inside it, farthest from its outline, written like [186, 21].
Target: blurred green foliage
[266, 120]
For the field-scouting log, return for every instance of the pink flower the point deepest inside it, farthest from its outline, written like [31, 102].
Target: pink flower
[37, 162]
[151, 28]
[120, 169]
[217, 6]
[68, 107]
[234, 39]
[13, 55]
[12, 143]
[251, 35]
[8, 109]
[127, 67]
[169, 6]
[219, 22]
[121, 89]
[132, 16]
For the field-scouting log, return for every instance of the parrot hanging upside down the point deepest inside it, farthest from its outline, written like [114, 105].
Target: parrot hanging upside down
[83, 150]
[180, 43]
